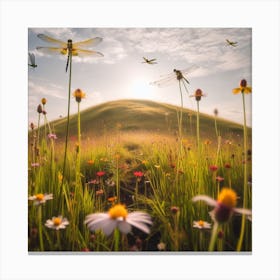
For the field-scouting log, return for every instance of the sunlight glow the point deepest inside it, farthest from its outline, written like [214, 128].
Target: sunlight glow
[140, 89]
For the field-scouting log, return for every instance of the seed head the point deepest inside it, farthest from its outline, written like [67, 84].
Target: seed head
[39, 109]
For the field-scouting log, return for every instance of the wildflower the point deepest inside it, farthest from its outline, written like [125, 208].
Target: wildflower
[32, 125]
[161, 246]
[52, 136]
[59, 176]
[99, 192]
[35, 164]
[144, 161]
[207, 142]
[174, 209]
[138, 174]
[157, 166]
[201, 224]
[219, 179]
[198, 94]
[57, 223]
[213, 168]
[79, 94]
[118, 217]
[43, 101]
[216, 112]
[224, 206]
[227, 165]
[112, 199]
[44, 112]
[39, 109]
[242, 88]
[100, 173]
[90, 161]
[40, 198]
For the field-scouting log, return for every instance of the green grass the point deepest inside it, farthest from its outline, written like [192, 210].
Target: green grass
[126, 136]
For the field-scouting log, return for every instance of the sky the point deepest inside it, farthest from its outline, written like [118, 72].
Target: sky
[121, 73]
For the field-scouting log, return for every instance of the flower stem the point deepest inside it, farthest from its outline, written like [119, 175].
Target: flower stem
[68, 120]
[40, 228]
[240, 241]
[116, 240]
[213, 237]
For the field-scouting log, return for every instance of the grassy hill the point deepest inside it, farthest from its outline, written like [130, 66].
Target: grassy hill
[142, 115]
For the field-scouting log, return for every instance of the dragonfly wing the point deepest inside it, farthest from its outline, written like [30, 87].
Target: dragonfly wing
[89, 42]
[52, 50]
[189, 69]
[52, 40]
[80, 52]
[165, 81]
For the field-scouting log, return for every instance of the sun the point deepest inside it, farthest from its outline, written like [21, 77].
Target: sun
[140, 89]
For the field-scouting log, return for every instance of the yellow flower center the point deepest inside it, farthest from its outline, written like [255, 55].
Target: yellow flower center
[39, 196]
[57, 221]
[227, 197]
[201, 223]
[118, 211]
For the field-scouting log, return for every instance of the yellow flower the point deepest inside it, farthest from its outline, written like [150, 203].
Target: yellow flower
[243, 88]
[44, 101]
[79, 94]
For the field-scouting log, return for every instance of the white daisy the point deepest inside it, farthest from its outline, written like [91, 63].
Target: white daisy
[224, 206]
[118, 217]
[40, 198]
[57, 223]
[201, 224]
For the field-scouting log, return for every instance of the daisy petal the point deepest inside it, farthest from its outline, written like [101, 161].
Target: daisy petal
[138, 225]
[243, 211]
[108, 226]
[124, 227]
[210, 201]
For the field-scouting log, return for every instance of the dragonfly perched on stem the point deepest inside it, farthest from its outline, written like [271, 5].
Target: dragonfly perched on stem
[176, 75]
[69, 48]
[32, 60]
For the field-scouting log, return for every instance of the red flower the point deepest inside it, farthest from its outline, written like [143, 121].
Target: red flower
[138, 174]
[100, 173]
[213, 167]
[227, 165]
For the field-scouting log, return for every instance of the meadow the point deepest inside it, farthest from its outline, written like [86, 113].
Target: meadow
[137, 177]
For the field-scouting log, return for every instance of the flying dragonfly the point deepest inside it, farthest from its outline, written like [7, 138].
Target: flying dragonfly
[32, 60]
[176, 75]
[231, 43]
[149, 61]
[69, 48]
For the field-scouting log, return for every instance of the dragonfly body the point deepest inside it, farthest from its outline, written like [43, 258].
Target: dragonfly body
[149, 61]
[69, 48]
[231, 43]
[179, 75]
[32, 60]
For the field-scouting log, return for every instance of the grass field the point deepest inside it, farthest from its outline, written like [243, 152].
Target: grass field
[129, 152]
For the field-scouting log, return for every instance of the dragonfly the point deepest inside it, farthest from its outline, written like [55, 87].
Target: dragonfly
[149, 61]
[32, 60]
[69, 48]
[181, 76]
[231, 43]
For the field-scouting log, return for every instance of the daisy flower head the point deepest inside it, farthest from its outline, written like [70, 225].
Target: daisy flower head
[79, 95]
[118, 217]
[57, 223]
[40, 198]
[201, 224]
[224, 206]
[243, 88]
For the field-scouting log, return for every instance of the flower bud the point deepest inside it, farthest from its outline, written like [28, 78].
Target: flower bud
[39, 109]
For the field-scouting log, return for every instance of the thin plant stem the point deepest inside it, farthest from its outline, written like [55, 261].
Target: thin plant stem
[116, 240]
[67, 126]
[240, 241]
[79, 147]
[40, 228]
[213, 237]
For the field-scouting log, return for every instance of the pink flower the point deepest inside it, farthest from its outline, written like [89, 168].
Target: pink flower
[138, 174]
[52, 136]
[100, 173]
[213, 168]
